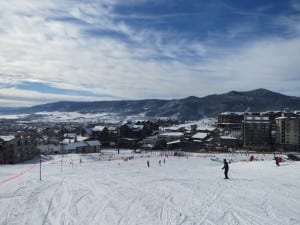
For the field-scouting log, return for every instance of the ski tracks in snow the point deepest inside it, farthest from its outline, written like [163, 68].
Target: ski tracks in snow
[118, 193]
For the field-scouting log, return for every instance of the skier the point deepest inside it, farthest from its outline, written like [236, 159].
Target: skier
[164, 161]
[277, 161]
[148, 163]
[226, 167]
[159, 162]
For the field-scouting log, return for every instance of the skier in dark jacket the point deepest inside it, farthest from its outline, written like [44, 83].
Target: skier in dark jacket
[225, 168]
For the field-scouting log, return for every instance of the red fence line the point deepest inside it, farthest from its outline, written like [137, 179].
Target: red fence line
[18, 175]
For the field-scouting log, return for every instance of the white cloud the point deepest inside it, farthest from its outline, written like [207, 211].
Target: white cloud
[37, 45]
[270, 63]
[16, 97]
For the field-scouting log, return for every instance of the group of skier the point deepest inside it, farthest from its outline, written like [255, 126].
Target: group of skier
[225, 167]
[159, 162]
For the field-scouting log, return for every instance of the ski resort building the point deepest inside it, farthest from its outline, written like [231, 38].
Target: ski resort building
[288, 132]
[229, 141]
[256, 132]
[15, 149]
[231, 120]
[171, 136]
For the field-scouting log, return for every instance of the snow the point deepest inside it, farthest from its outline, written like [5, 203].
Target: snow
[73, 146]
[103, 117]
[49, 148]
[200, 135]
[206, 124]
[7, 138]
[228, 138]
[14, 116]
[174, 142]
[68, 117]
[70, 135]
[98, 128]
[125, 192]
[171, 134]
[67, 141]
[93, 143]
[81, 138]
[234, 113]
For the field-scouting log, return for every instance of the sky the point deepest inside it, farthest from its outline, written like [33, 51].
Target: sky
[93, 50]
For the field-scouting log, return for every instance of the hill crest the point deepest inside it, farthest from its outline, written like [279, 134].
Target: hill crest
[190, 108]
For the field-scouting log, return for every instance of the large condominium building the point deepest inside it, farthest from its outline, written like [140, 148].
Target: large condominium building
[256, 132]
[15, 149]
[288, 132]
[230, 120]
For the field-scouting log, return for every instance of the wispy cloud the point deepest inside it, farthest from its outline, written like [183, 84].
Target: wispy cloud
[94, 50]
[295, 4]
[19, 97]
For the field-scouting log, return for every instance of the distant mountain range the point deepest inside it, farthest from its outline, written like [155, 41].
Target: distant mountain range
[191, 108]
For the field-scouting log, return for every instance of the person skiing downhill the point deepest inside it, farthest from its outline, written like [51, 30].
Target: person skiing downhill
[225, 168]
[277, 160]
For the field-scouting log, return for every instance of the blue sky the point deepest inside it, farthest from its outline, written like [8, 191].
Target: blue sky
[113, 49]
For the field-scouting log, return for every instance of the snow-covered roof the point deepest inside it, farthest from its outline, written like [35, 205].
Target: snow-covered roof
[200, 135]
[228, 137]
[111, 128]
[290, 117]
[7, 138]
[206, 128]
[171, 134]
[233, 113]
[229, 124]
[70, 135]
[67, 141]
[81, 138]
[98, 128]
[93, 143]
[137, 127]
[281, 117]
[174, 128]
[173, 142]
[51, 147]
[75, 145]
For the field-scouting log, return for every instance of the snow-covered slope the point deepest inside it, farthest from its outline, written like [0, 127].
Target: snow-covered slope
[118, 192]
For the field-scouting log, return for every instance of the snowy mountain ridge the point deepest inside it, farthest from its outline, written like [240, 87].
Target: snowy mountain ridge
[190, 108]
